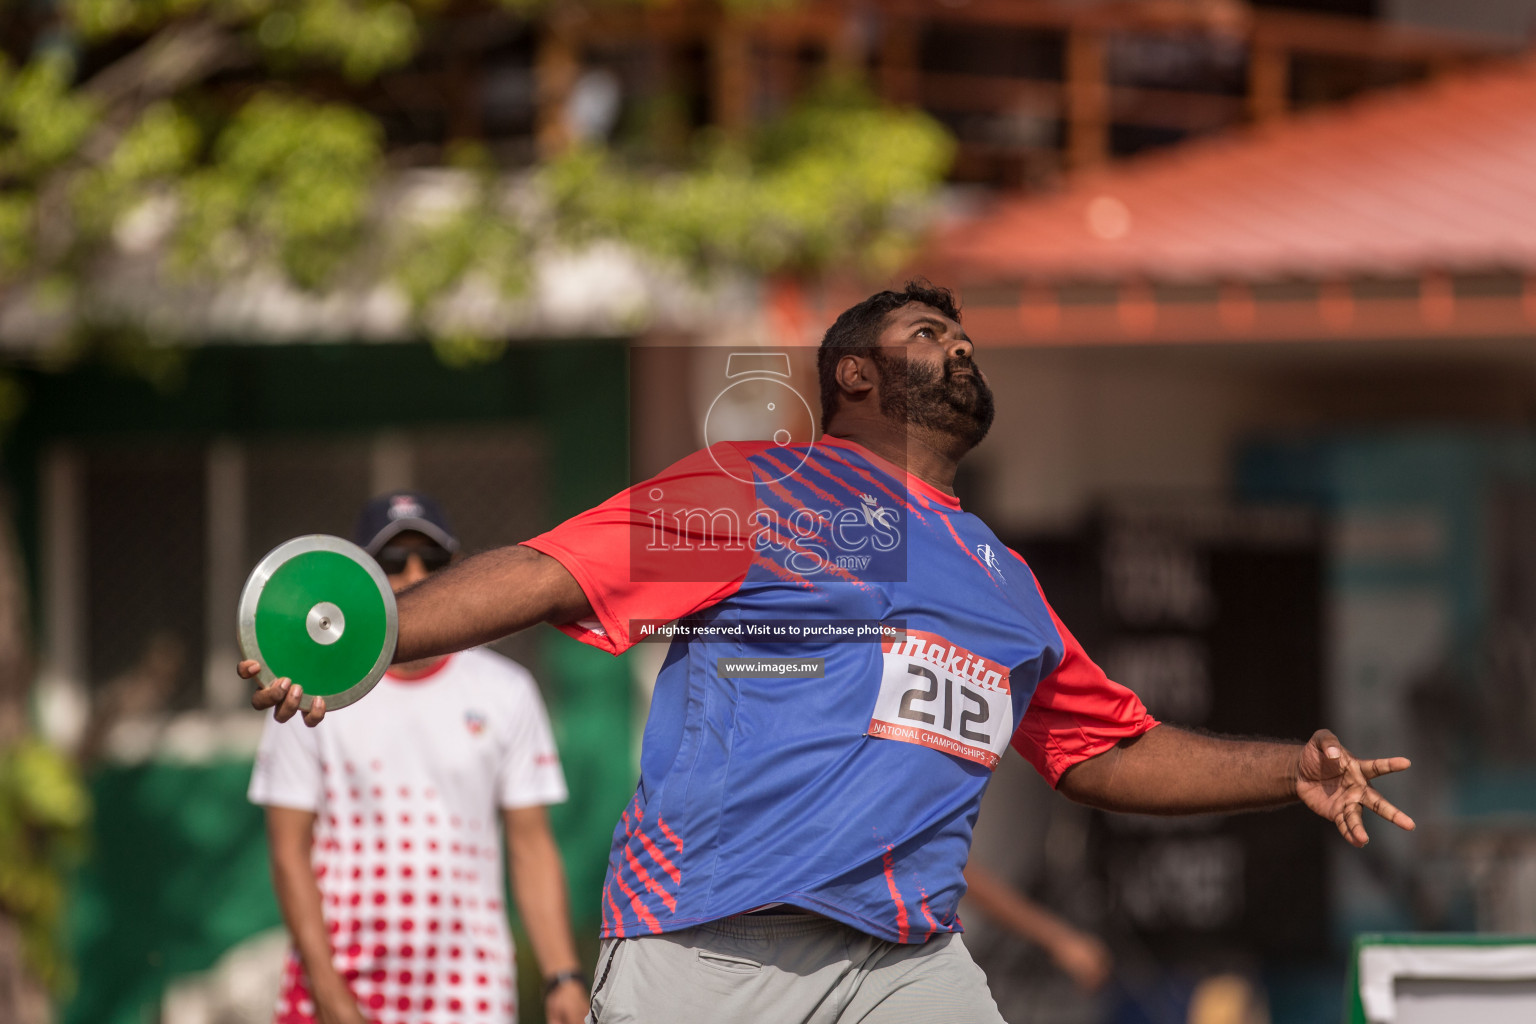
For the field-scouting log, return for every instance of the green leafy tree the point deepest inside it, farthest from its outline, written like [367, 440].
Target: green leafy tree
[43, 811]
[834, 180]
[216, 137]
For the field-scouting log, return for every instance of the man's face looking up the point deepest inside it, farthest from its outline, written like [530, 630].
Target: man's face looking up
[927, 375]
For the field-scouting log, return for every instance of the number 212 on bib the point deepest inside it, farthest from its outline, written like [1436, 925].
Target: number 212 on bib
[945, 697]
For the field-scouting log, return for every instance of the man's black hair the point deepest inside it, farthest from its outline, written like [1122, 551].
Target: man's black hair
[857, 332]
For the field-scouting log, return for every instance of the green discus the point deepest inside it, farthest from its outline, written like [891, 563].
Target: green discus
[319, 610]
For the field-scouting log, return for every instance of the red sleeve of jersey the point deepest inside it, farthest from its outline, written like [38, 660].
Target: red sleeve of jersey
[663, 549]
[1077, 712]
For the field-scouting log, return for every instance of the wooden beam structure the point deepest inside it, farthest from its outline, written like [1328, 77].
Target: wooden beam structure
[1035, 315]
[755, 63]
[1087, 100]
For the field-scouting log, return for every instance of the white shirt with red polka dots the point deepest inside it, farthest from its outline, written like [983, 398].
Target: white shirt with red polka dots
[405, 786]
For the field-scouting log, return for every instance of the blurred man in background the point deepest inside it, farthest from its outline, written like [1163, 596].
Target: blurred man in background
[1081, 956]
[385, 850]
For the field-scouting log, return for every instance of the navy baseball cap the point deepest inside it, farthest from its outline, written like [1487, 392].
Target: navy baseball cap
[397, 512]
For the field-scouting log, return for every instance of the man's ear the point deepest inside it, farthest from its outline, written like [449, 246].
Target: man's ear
[855, 375]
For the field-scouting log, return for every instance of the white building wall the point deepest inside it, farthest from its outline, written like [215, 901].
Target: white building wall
[1074, 427]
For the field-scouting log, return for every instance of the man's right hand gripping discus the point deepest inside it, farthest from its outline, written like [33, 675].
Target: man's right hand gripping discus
[318, 610]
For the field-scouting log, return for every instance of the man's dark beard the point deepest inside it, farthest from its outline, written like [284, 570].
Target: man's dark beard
[959, 406]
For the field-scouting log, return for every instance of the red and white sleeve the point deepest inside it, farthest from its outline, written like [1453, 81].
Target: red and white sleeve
[1077, 712]
[665, 548]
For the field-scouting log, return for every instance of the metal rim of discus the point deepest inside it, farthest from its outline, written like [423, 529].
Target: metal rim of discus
[320, 622]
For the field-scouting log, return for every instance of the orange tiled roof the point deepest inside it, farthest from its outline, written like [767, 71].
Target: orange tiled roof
[1440, 177]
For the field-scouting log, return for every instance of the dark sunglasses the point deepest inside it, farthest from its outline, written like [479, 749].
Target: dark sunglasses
[392, 558]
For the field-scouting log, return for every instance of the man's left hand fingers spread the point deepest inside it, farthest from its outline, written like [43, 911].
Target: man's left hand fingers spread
[1343, 826]
[1382, 806]
[1354, 829]
[1383, 766]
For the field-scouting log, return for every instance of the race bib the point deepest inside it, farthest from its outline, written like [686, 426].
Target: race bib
[937, 695]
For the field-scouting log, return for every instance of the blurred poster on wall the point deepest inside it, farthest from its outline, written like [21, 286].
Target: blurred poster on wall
[1431, 597]
[1214, 616]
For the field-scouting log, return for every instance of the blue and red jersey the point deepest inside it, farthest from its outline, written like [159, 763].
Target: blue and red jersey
[853, 793]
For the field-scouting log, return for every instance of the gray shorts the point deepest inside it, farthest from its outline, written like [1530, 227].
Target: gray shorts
[787, 968]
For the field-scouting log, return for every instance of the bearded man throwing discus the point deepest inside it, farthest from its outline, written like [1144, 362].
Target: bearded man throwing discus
[794, 849]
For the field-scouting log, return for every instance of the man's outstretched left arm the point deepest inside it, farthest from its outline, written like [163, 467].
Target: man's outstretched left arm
[1172, 771]
[487, 596]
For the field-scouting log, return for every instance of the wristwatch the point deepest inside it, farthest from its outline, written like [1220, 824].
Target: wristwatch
[559, 978]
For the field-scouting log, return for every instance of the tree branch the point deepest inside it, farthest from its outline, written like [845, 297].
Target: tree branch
[178, 55]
